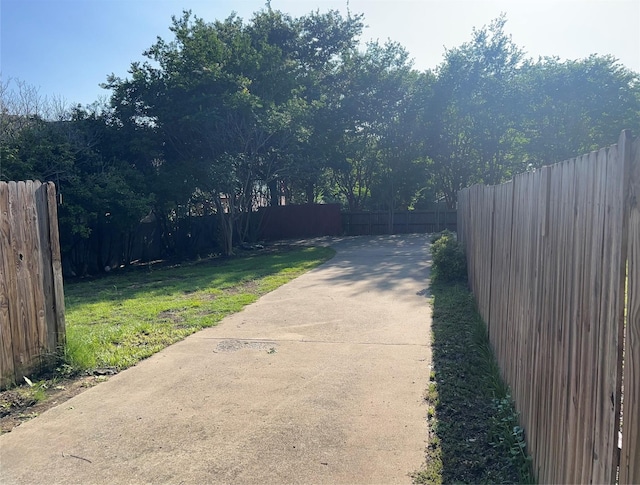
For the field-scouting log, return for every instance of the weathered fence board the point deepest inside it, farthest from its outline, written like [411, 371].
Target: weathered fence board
[547, 256]
[31, 294]
[7, 285]
[630, 453]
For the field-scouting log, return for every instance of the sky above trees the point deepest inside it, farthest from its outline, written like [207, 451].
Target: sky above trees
[66, 48]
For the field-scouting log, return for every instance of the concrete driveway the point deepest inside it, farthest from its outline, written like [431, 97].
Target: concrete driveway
[320, 381]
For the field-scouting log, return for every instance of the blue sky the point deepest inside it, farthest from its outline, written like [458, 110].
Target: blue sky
[66, 48]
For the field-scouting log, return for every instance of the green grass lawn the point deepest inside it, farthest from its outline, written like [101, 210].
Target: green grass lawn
[118, 320]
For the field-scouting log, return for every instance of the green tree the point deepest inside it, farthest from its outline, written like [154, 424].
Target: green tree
[234, 107]
[401, 173]
[371, 94]
[324, 41]
[99, 190]
[572, 107]
[216, 116]
[471, 117]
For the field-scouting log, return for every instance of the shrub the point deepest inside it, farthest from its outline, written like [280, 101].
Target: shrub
[449, 262]
[436, 236]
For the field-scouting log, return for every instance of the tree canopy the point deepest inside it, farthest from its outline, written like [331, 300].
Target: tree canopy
[230, 115]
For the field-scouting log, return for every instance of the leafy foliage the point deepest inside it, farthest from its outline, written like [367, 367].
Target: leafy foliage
[230, 115]
[100, 189]
[449, 261]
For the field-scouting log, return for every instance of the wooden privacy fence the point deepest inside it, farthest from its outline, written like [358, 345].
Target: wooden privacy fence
[401, 222]
[547, 255]
[296, 221]
[31, 294]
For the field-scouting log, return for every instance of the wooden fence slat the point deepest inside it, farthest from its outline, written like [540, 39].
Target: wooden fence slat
[510, 329]
[563, 328]
[592, 281]
[45, 261]
[524, 370]
[546, 450]
[536, 425]
[56, 266]
[27, 273]
[19, 321]
[580, 320]
[630, 454]
[34, 264]
[7, 369]
[530, 314]
[611, 319]
[484, 254]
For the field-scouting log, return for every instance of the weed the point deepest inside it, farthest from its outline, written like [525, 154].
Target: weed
[508, 437]
[432, 394]
[39, 391]
[27, 416]
[65, 371]
[22, 397]
[438, 235]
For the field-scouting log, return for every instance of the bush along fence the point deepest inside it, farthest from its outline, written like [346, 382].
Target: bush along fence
[550, 254]
[32, 326]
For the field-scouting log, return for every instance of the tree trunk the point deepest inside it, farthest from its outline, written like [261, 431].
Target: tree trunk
[391, 207]
[310, 190]
[226, 227]
[274, 193]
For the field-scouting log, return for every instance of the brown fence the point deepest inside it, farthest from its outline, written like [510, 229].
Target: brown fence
[31, 294]
[296, 221]
[400, 222]
[548, 255]
[185, 237]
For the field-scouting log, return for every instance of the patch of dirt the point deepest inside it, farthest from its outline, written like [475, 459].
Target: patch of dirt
[173, 315]
[246, 287]
[234, 345]
[19, 404]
